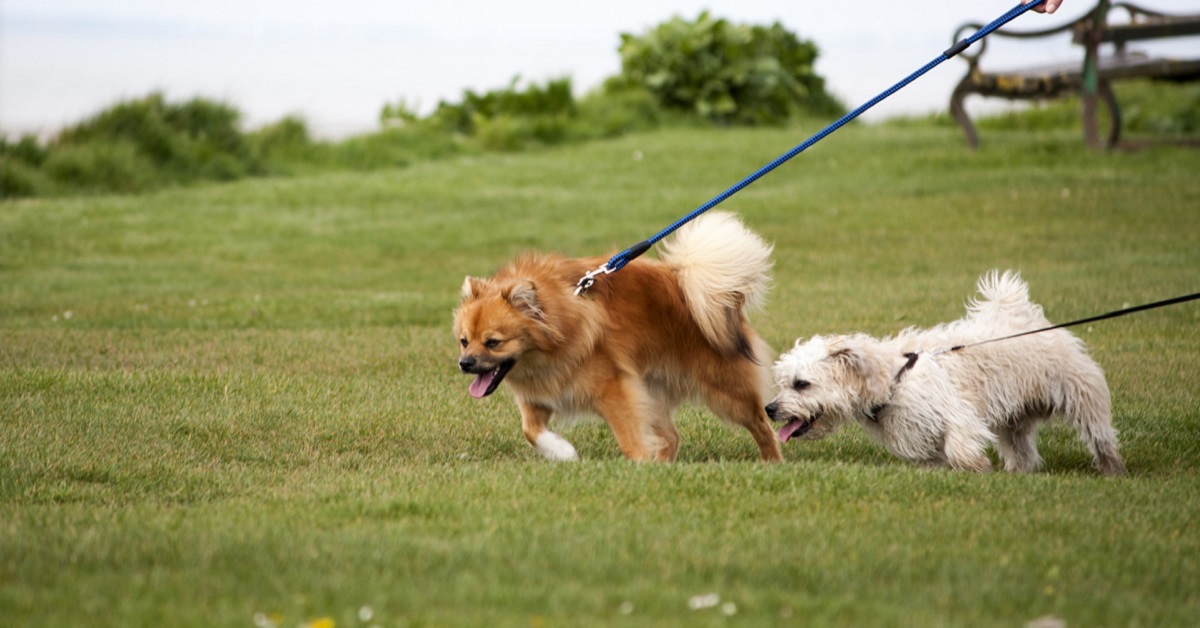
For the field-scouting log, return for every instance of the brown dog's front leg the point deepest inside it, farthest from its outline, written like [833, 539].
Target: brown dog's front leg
[550, 445]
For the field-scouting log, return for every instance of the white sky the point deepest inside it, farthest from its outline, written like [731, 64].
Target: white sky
[337, 63]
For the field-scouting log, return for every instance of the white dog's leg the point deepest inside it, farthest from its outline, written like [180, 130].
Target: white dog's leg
[1089, 410]
[966, 445]
[1101, 439]
[1022, 455]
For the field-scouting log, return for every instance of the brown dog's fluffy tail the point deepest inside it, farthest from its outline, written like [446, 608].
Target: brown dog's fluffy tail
[724, 270]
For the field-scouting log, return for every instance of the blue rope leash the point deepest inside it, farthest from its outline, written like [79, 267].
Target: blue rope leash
[618, 261]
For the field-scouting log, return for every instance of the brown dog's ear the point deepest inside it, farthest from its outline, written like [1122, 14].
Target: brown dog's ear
[472, 287]
[523, 297]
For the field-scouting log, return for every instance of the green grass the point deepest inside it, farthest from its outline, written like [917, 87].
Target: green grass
[240, 399]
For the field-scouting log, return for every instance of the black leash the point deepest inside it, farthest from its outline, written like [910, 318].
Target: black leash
[1090, 319]
[874, 411]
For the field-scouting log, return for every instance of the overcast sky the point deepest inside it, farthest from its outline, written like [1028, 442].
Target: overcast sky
[337, 63]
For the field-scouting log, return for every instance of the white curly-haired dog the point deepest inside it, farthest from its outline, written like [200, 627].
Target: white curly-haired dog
[928, 403]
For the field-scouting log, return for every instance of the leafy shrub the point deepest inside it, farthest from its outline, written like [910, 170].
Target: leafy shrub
[506, 119]
[284, 144]
[116, 166]
[392, 147]
[27, 149]
[726, 72]
[20, 164]
[616, 109]
[197, 139]
[534, 101]
[132, 146]
[18, 178]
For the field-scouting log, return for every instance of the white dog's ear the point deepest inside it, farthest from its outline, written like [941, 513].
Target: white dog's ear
[472, 287]
[523, 297]
[848, 358]
[867, 370]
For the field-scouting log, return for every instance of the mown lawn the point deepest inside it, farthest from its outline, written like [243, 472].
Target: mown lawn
[238, 404]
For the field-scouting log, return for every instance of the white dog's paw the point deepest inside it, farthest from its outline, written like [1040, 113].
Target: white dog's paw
[555, 447]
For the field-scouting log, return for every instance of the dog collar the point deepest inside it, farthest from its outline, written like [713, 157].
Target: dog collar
[873, 413]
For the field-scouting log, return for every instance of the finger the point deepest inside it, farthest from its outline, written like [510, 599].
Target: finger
[1049, 6]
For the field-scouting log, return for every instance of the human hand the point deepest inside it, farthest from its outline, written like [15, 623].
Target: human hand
[1049, 6]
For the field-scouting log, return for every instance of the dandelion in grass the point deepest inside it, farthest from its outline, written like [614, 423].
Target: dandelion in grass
[701, 602]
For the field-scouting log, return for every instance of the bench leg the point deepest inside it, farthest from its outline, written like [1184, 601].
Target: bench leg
[1091, 130]
[959, 112]
[1114, 113]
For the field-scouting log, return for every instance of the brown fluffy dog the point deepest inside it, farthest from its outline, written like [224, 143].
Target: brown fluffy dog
[631, 348]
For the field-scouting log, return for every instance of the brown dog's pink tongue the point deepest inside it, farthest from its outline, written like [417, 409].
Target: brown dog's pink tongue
[479, 387]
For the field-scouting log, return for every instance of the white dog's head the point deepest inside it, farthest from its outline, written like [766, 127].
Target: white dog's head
[826, 382]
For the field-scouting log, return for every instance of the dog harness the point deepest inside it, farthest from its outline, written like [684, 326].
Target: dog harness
[873, 413]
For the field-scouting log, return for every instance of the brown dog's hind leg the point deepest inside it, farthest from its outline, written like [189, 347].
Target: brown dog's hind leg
[666, 432]
[625, 406]
[734, 391]
[744, 406]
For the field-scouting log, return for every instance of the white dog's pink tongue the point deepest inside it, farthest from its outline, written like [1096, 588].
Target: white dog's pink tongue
[479, 387]
[788, 430]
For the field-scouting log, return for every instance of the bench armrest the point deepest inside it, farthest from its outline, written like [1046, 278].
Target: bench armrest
[972, 56]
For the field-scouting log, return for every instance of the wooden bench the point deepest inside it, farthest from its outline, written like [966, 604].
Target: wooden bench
[1106, 59]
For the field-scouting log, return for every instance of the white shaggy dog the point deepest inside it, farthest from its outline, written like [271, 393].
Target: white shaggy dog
[929, 404]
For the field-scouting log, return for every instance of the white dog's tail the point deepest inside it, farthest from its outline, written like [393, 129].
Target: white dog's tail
[724, 270]
[1004, 294]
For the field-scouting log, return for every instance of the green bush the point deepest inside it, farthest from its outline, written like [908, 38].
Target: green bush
[616, 109]
[392, 147]
[197, 139]
[724, 72]
[507, 119]
[114, 166]
[27, 149]
[729, 73]
[534, 101]
[284, 144]
[18, 178]
[20, 164]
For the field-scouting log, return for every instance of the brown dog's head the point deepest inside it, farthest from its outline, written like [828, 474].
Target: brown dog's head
[497, 324]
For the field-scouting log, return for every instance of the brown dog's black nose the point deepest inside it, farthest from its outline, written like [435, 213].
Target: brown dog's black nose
[466, 363]
[772, 408]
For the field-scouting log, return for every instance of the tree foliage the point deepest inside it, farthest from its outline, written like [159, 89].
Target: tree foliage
[726, 72]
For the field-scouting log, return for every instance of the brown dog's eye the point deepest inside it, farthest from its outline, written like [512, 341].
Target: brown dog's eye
[492, 343]
[800, 384]
[463, 342]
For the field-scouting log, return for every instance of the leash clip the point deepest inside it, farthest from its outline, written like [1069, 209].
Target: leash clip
[589, 278]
